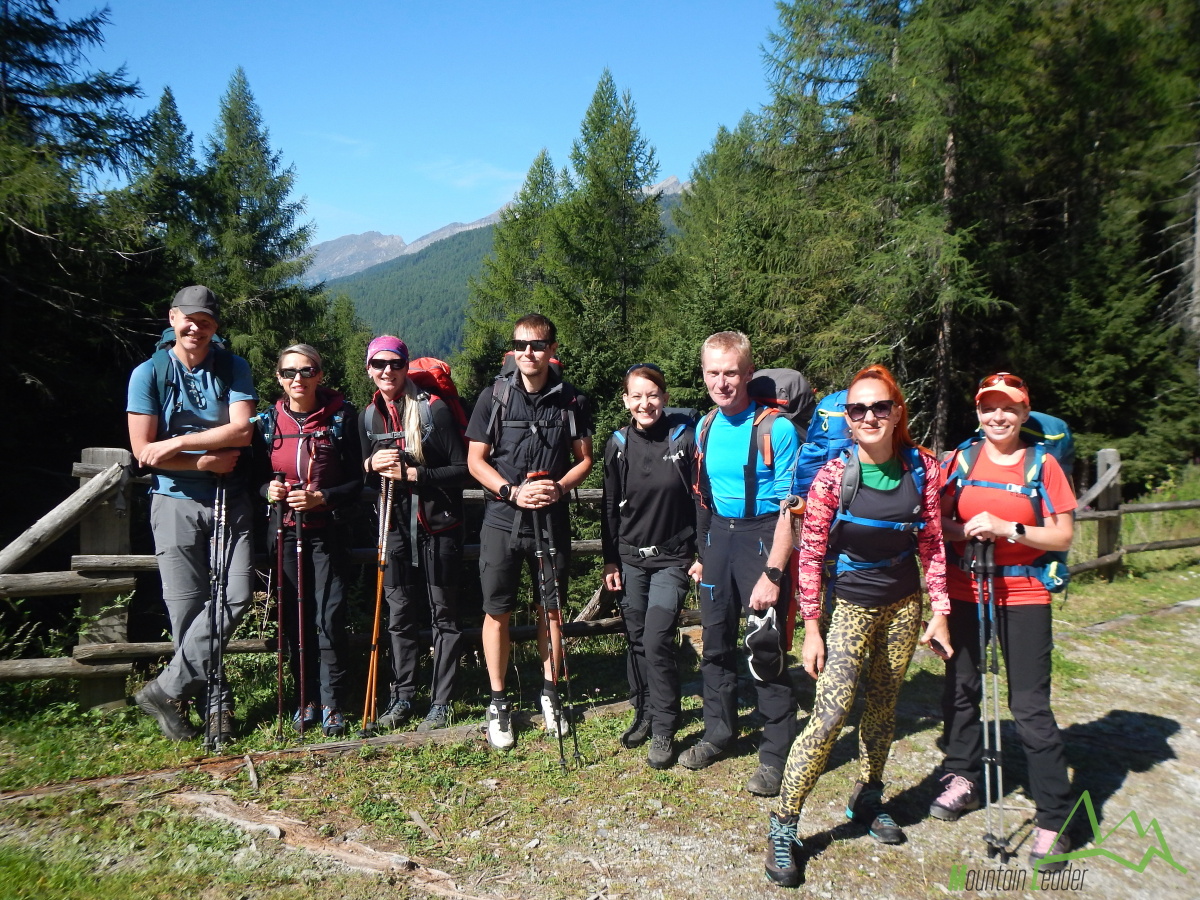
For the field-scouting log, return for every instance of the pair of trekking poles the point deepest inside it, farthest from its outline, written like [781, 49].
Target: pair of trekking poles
[550, 596]
[279, 512]
[981, 562]
[218, 597]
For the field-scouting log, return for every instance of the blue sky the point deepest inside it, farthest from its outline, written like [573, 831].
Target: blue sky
[401, 117]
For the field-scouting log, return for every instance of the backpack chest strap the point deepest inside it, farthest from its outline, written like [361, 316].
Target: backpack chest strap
[879, 523]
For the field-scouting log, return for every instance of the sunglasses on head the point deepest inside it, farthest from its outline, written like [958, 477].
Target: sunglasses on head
[650, 366]
[394, 364]
[881, 409]
[537, 346]
[306, 372]
[1001, 378]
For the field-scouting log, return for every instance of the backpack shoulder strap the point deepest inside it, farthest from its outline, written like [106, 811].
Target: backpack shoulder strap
[702, 486]
[501, 389]
[851, 479]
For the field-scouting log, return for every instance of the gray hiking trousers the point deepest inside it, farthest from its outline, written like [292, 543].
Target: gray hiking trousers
[183, 545]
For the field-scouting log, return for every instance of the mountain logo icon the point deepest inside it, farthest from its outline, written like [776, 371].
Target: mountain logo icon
[1156, 849]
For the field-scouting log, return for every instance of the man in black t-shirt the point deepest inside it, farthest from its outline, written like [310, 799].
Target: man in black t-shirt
[530, 444]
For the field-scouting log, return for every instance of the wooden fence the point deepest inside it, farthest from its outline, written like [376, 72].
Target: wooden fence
[103, 571]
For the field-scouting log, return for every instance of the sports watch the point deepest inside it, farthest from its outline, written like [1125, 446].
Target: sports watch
[1018, 531]
[774, 575]
[505, 492]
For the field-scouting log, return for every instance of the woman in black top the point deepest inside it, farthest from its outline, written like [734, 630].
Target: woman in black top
[412, 437]
[311, 434]
[649, 538]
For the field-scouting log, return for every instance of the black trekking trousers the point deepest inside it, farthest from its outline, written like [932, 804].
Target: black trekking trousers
[735, 555]
[1026, 640]
[650, 605]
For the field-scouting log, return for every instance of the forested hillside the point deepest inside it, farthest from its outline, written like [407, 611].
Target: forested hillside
[420, 297]
[950, 189]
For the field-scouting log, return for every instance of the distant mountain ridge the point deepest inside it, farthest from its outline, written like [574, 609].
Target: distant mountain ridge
[353, 253]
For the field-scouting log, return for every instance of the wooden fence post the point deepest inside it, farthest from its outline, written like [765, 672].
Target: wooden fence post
[1108, 530]
[105, 619]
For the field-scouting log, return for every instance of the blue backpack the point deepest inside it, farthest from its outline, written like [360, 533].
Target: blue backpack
[1044, 435]
[828, 437]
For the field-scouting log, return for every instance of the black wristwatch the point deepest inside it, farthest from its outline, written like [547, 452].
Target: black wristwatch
[505, 492]
[1018, 531]
[774, 575]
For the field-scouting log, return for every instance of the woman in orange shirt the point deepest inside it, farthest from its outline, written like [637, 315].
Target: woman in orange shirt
[1022, 528]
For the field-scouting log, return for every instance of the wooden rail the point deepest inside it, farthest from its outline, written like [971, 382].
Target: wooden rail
[102, 573]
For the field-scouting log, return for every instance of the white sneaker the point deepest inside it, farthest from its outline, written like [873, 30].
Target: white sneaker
[552, 712]
[499, 726]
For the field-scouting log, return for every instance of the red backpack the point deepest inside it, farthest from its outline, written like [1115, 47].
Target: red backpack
[432, 378]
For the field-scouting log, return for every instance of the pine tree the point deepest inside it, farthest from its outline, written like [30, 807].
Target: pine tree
[515, 276]
[253, 249]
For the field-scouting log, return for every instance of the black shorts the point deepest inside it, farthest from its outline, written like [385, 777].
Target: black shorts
[500, 567]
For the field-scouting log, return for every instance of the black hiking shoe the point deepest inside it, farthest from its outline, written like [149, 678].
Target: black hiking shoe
[865, 806]
[396, 715]
[168, 711]
[437, 717]
[700, 756]
[662, 750]
[333, 723]
[220, 728]
[765, 781]
[637, 732]
[783, 843]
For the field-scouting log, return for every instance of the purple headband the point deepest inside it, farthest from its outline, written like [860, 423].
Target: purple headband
[387, 342]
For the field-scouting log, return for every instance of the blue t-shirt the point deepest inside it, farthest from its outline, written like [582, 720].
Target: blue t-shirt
[725, 461]
[196, 407]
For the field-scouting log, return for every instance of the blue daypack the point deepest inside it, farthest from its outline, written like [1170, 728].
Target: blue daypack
[827, 438]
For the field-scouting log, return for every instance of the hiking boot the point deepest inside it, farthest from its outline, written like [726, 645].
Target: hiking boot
[957, 797]
[865, 806]
[333, 723]
[437, 717]
[396, 715]
[1048, 843]
[783, 843]
[662, 749]
[309, 717]
[220, 728]
[168, 711]
[499, 726]
[765, 781]
[637, 732]
[552, 712]
[700, 756]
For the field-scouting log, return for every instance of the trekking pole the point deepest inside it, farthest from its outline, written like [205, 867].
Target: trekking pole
[300, 680]
[385, 524]
[998, 841]
[279, 579]
[981, 563]
[539, 551]
[562, 639]
[216, 624]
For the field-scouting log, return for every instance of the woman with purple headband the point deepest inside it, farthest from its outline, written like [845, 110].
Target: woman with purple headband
[412, 437]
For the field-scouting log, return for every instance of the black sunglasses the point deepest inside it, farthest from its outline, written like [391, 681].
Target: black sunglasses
[394, 364]
[306, 372]
[651, 366]
[882, 409]
[535, 346]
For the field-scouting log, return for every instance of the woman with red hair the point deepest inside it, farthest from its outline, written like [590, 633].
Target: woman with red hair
[871, 513]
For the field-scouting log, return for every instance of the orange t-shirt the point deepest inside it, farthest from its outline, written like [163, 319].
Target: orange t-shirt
[1012, 589]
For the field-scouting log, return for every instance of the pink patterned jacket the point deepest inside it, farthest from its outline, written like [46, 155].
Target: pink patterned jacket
[823, 499]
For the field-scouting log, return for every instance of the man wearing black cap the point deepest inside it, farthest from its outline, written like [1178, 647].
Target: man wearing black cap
[189, 409]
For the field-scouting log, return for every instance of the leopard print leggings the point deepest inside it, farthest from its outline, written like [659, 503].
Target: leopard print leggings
[888, 636]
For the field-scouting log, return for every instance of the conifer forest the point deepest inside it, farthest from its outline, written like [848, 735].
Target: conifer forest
[950, 187]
